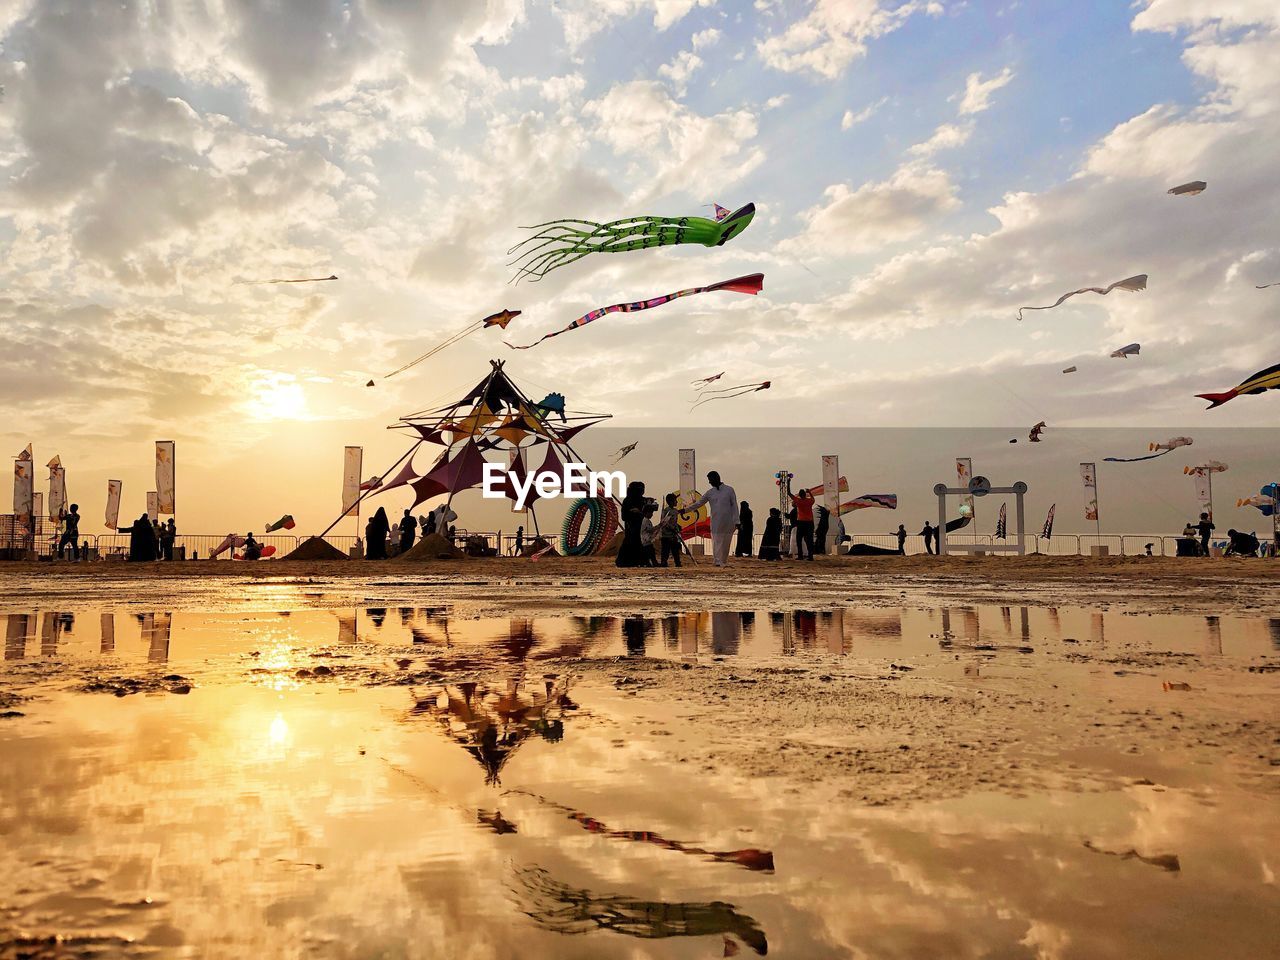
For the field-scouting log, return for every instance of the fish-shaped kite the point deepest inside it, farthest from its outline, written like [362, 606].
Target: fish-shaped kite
[1128, 350]
[284, 523]
[1069, 370]
[1260, 382]
[623, 451]
[1159, 449]
[1132, 284]
[499, 319]
[559, 243]
[751, 284]
[882, 501]
[1206, 468]
[1192, 189]
[1267, 500]
[728, 393]
[1038, 429]
[301, 280]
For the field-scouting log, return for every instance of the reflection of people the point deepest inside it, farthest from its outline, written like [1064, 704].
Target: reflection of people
[631, 553]
[772, 535]
[70, 533]
[930, 535]
[723, 502]
[1204, 527]
[746, 530]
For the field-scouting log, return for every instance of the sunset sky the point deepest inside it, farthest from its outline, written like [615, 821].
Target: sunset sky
[921, 170]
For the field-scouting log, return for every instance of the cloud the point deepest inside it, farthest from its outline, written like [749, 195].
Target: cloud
[583, 19]
[706, 38]
[851, 119]
[948, 136]
[834, 34]
[977, 92]
[679, 70]
[889, 211]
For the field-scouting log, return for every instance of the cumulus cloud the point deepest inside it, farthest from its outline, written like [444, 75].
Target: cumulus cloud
[977, 92]
[851, 119]
[834, 34]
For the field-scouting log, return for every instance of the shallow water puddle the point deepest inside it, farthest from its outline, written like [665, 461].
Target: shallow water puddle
[505, 809]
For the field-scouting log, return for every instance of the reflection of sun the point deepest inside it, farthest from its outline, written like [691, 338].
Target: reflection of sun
[277, 399]
[279, 731]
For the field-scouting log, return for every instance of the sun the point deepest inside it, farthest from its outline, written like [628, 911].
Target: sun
[277, 398]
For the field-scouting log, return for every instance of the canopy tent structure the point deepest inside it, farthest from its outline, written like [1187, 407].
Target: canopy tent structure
[494, 422]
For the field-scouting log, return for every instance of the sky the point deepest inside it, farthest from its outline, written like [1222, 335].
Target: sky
[921, 169]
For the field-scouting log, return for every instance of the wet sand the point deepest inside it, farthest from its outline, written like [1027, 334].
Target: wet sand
[968, 757]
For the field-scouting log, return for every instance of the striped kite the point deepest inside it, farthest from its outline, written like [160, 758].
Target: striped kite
[882, 501]
[1132, 284]
[559, 243]
[1260, 382]
[751, 284]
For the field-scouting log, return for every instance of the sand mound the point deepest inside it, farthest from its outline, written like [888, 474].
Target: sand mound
[431, 547]
[314, 548]
[611, 548]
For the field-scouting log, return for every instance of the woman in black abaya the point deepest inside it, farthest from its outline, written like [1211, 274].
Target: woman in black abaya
[632, 552]
[375, 536]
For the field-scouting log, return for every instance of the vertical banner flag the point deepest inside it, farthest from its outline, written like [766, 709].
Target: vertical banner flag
[352, 464]
[57, 490]
[113, 504]
[153, 504]
[1202, 489]
[165, 476]
[1089, 476]
[964, 473]
[688, 471]
[1048, 522]
[831, 485]
[1002, 528]
[37, 504]
[24, 495]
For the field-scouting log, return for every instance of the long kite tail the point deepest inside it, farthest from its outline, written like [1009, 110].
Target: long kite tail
[1153, 456]
[1218, 399]
[750, 284]
[302, 280]
[728, 393]
[465, 331]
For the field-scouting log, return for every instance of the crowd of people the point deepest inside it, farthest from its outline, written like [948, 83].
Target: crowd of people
[383, 539]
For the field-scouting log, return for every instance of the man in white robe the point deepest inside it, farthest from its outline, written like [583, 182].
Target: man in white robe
[724, 516]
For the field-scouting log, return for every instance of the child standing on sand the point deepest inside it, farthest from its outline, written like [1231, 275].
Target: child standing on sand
[646, 534]
[669, 531]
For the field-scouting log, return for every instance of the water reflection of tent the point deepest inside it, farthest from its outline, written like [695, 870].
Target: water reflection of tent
[493, 417]
[490, 724]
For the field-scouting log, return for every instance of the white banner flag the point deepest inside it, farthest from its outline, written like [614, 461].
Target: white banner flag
[153, 505]
[1089, 477]
[352, 464]
[1202, 489]
[688, 471]
[831, 484]
[37, 504]
[24, 495]
[165, 475]
[57, 492]
[964, 473]
[113, 504]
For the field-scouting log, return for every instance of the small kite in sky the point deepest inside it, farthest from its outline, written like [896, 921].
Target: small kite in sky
[623, 451]
[1038, 429]
[707, 381]
[284, 523]
[1259, 500]
[1128, 350]
[1206, 468]
[1159, 449]
[499, 319]
[751, 284]
[1132, 284]
[1192, 189]
[253, 283]
[559, 243]
[720, 212]
[1069, 370]
[1266, 285]
[1260, 382]
[728, 393]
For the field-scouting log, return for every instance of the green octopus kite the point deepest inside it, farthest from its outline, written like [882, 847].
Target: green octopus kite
[560, 242]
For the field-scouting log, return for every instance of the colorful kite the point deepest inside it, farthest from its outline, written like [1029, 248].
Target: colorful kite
[1158, 450]
[1267, 500]
[284, 523]
[1192, 189]
[752, 284]
[1132, 284]
[1128, 350]
[499, 319]
[559, 243]
[623, 451]
[552, 403]
[882, 501]
[728, 393]
[1069, 370]
[1038, 429]
[720, 212]
[1206, 468]
[1047, 532]
[1260, 382]
[303, 280]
